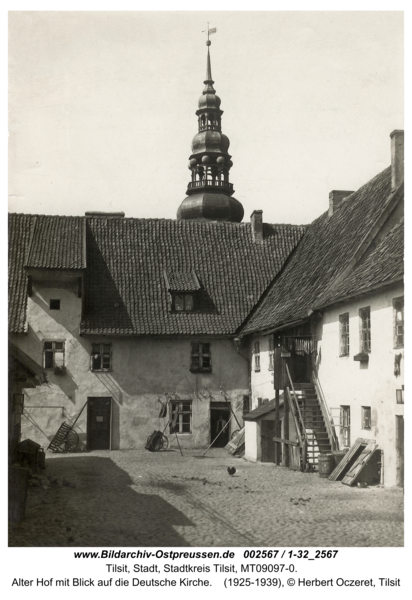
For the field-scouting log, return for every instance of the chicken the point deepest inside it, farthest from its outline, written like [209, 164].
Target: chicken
[231, 470]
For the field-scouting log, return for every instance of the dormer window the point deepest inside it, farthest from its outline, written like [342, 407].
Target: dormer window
[183, 302]
[183, 287]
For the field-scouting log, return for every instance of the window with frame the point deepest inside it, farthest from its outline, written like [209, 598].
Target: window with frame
[365, 329]
[256, 353]
[181, 416]
[366, 417]
[271, 353]
[183, 302]
[345, 425]
[400, 395]
[398, 307]
[344, 334]
[53, 355]
[54, 304]
[200, 358]
[101, 358]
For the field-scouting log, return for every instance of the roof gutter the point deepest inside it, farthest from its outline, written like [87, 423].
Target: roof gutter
[275, 329]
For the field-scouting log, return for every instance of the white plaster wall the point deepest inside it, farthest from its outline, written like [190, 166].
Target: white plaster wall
[261, 381]
[347, 382]
[252, 441]
[144, 369]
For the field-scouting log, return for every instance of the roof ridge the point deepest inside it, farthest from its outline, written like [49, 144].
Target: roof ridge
[15, 214]
[182, 222]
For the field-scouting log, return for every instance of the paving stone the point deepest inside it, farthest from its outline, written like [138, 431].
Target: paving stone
[137, 498]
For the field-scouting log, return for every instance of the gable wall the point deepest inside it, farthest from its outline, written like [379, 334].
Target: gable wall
[143, 370]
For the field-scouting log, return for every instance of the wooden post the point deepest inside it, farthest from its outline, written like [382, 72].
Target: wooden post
[286, 461]
[277, 371]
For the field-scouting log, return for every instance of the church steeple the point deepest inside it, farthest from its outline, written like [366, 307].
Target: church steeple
[209, 193]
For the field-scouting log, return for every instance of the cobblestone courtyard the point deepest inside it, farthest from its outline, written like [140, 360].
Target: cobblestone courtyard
[137, 498]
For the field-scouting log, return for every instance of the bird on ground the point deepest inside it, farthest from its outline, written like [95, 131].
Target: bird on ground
[231, 470]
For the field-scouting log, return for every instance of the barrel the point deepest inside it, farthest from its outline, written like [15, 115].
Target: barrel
[326, 463]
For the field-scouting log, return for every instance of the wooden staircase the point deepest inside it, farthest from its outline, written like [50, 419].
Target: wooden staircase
[312, 423]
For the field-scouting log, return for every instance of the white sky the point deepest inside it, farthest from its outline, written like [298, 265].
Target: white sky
[102, 107]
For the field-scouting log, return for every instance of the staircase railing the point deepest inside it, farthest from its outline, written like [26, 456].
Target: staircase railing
[295, 420]
[299, 423]
[334, 442]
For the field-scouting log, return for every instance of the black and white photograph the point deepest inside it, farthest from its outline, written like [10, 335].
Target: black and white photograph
[206, 292]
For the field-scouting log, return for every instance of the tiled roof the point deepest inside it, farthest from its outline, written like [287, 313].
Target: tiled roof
[20, 232]
[57, 243]
[125, 288]
[179, 281]
[260, 411]
[324, 252]
[383, 266]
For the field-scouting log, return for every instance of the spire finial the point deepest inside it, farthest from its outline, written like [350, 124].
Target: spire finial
[209, 81]
[209, 32]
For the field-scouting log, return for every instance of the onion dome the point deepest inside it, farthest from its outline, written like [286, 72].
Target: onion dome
[209, 193]
[209, 101]
[211, 206]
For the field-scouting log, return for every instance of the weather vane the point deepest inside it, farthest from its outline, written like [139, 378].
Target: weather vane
[209, 32]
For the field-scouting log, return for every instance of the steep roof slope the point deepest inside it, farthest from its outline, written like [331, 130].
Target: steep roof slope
[20, 232]
[385, 265]
[324, 252]
[127, 259]
[126, 292]
[57, 243]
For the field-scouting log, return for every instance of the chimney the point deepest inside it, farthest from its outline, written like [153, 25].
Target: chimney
[256, 220]
[335, 199]
[397, 158]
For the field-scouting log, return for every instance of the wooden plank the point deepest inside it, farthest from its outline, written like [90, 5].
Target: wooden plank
[295, 458]
[345, 463]
[286, 458]
[291, 404]
[360, 463]
[283, 441]
[277, 366]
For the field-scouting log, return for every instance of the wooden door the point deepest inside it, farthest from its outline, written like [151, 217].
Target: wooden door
[98, 423]
[267, 431]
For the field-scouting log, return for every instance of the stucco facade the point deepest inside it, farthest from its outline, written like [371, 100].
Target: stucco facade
[262, 382]
[143, 370]
[371, 384]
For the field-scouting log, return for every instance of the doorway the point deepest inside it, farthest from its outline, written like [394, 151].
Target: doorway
[268, 432]
[300, 368]
[99, 413]
[219, 416]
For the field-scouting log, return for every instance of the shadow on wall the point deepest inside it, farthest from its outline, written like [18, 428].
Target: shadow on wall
[65, 382]
[64, 316]
[111, 513]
